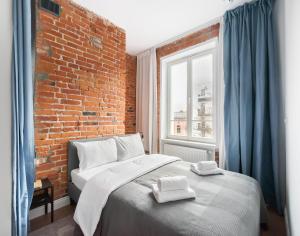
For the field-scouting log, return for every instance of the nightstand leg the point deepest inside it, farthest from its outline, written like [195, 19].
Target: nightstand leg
[52, 211]
[46, 208]
[52, 196]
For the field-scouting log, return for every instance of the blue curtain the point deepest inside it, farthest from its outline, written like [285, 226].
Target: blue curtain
[252, 97]
[22, 117]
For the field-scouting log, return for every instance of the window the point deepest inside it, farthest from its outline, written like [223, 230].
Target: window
[191, 96]
[178, 129]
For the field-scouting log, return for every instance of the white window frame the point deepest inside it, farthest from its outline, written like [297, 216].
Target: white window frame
[188, 57]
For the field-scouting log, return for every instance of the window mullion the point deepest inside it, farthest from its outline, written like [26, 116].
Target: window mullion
[189, 98]
[169, 81]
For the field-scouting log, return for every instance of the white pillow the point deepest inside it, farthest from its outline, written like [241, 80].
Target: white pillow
[129, 146]
[96, 153]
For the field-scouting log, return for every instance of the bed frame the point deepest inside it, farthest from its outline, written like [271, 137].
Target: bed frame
[73, 163]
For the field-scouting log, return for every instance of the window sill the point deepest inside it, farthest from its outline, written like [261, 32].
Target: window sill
[187, 143]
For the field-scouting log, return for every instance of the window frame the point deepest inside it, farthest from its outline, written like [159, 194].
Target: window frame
[188, 59]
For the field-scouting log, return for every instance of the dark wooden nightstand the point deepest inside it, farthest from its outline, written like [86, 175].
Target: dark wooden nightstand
[41, 196]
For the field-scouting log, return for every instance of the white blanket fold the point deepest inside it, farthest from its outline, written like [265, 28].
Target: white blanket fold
[175, 195]
[97, 190]
[172, 183]
[216, 171]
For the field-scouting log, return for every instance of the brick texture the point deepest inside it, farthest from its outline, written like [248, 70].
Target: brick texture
[182, 43]
[130, 115]
[82, 86]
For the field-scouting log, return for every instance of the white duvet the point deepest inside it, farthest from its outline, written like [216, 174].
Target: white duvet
[81, 178]
[96, 191]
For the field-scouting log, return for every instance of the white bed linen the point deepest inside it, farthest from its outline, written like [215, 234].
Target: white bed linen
[79, 178]
[170, 183]
[96, 153]
[129, 146]
[96, 191]
[216, 171]
[173, 195]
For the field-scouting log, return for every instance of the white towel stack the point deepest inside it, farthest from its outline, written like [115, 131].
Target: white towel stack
[172, 189]
[206, 168]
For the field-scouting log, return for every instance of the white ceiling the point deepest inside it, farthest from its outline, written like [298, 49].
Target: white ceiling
[151, 22]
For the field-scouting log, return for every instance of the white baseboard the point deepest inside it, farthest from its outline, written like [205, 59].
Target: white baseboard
[287, 222]
[39, 211]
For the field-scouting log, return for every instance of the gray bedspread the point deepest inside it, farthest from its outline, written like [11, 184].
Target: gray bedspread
[229, 204]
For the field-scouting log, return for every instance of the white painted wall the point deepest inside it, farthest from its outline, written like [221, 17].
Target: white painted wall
[5, 116]
[288, 21]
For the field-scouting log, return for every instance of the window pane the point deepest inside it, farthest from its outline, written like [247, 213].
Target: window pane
[202, 97]
[178, 99]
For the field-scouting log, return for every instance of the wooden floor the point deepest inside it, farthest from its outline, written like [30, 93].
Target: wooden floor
[276, 223]
[44, 220]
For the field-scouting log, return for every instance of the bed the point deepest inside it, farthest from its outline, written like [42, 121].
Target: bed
[229, 204]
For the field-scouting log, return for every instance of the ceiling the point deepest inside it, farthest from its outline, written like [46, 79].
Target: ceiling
[151, 22]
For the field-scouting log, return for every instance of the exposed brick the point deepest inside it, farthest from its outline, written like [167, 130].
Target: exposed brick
[84, 84]
[41, 76]
[74, 75]
[89, 113]
[130, 115]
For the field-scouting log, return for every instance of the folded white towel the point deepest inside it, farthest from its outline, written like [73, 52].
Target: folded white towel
[174, 195]
[207, 165]
[172, 183]
[216, 171]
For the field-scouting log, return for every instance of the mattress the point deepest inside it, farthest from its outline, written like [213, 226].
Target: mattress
[79, 178]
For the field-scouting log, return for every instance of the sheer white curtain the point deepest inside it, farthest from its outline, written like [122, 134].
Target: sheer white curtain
[221, 88]
[146, 99]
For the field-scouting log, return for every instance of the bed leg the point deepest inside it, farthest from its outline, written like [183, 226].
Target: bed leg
[72, 202]
[264, 226]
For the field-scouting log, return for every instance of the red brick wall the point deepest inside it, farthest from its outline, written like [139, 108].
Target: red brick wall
[182, 43]
[130, 115]
[82, 89]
